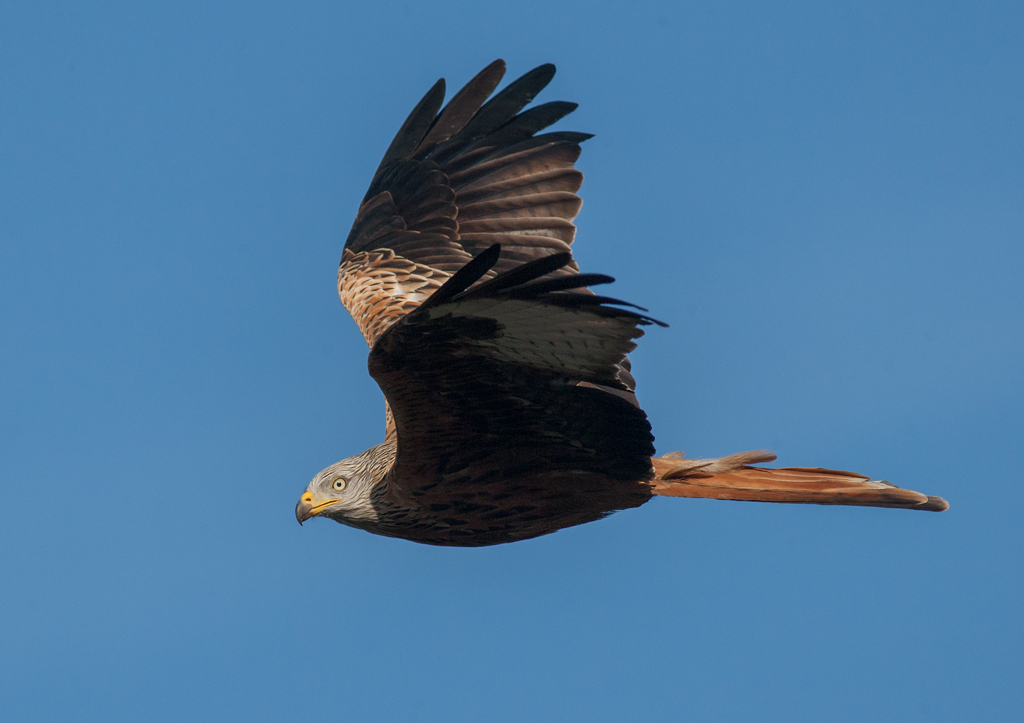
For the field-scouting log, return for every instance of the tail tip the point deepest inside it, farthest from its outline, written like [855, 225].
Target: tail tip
[934, 504]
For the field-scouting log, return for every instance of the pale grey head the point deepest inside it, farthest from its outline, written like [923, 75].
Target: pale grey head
[344, 491]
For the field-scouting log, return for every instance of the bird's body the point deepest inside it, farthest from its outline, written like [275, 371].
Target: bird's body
[510, 407]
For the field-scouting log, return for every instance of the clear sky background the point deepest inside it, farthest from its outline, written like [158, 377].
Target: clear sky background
[824, 200]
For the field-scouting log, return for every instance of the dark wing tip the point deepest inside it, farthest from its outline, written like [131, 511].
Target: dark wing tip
[465, 277]
[563, 283]
[526, 282]
[415, 126]
[545, 70]
[525, 273]
[504, 106]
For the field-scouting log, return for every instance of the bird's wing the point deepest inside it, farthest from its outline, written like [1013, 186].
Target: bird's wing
[498, 394]
[454, 182]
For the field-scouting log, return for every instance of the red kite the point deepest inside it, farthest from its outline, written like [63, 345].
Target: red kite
[510, 406]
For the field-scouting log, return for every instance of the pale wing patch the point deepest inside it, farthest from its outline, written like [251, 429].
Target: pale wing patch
[379, 287]
[575, 343]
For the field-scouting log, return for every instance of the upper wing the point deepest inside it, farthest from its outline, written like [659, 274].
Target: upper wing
[453, 183]
[492, 421]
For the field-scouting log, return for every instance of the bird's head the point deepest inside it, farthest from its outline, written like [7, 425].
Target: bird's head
[343, 491]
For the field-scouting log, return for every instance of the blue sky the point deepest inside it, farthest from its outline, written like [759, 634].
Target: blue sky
[825, 201]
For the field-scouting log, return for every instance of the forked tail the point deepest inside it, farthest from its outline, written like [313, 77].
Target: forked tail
[731, 478]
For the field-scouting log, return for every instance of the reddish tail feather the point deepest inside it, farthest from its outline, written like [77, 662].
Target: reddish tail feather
[731, 478]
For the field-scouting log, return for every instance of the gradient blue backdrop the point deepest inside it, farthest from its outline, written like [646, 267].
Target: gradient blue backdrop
[825, 200]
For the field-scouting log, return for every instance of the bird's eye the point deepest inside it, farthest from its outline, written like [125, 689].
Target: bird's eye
[339, 484]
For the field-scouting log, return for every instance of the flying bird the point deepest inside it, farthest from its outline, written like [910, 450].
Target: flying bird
[510, 407]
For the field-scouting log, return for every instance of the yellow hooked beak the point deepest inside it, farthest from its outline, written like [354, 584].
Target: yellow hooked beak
[306, 509]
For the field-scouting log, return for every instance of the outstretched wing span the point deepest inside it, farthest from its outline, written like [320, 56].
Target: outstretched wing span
[496, 434]
[454, 182]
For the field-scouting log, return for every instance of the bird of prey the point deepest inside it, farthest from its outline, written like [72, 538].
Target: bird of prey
[510, 408]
